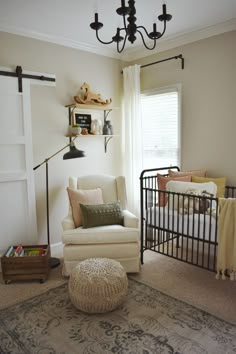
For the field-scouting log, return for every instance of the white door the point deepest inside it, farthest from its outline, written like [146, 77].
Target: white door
[17, 194]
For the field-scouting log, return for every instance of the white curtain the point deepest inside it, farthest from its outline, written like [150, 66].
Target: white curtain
[132, 135]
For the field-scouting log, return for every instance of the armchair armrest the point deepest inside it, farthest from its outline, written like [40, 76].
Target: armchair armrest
[68, 223]
[130, 220]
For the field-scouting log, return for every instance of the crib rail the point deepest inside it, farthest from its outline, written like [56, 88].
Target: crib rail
[179, 229]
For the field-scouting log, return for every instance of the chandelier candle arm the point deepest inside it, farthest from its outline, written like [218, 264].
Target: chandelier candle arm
[96, 25]
[145, 45]
[119, 50]
[154, 34]
[117, 38]
[131, 28]
[123, 10]
[164, 17]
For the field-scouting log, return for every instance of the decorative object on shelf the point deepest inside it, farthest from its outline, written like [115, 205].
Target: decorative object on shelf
[110, 127]
[71, 154]
[130, 29]
[84, 131]
[107, 128]
[96, 127]
[73, 117]
[87, 96]
[83, 120]
[75, 129]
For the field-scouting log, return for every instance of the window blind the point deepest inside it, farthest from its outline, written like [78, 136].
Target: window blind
[160, 127]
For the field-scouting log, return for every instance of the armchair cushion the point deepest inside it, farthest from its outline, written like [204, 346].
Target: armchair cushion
[101, 214]
[101, 235]
[79, 196]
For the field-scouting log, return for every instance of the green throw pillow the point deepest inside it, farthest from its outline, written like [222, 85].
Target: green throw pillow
[101, 214]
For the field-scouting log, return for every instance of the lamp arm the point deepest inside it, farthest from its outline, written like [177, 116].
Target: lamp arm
[54, 262]
[49, 158]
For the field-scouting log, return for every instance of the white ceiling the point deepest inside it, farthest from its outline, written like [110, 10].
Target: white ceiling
[67, 22]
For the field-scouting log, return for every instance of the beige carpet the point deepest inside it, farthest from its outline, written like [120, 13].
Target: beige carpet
[184, 282]
[17, 291]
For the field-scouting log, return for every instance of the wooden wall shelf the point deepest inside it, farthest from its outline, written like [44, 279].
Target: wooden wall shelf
[105, 108]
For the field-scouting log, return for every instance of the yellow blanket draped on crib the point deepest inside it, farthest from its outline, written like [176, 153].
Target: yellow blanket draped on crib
[226, 255]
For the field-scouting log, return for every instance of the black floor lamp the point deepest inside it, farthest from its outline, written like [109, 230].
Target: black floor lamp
[71, 154]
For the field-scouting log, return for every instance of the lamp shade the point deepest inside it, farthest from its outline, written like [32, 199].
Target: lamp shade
[73, 153]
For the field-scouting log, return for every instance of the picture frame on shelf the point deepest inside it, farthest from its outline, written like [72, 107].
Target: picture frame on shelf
[83, 120]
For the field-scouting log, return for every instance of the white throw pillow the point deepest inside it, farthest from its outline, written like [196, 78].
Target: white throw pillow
[182, 187]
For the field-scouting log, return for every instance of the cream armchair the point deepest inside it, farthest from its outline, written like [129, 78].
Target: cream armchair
[119, 242]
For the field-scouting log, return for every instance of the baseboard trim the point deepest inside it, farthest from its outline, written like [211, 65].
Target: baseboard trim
[57, 249]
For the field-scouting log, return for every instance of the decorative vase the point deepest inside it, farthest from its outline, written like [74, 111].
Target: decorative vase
[110, 127]
[96, 127]
[106, 129]
[76, 130]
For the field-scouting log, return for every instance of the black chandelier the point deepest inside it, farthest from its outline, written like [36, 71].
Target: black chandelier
[130, 28]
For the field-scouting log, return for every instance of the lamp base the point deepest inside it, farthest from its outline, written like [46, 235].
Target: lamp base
[54, 262]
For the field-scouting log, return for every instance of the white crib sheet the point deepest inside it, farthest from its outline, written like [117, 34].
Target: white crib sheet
[197, 225]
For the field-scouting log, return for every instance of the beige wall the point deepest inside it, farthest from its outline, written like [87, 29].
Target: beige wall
[208, 101]
[208, 109]
[50, 117]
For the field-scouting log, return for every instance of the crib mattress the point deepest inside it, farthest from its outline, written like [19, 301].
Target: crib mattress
[200, 226]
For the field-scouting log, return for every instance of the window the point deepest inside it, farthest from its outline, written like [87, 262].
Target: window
[161, 127]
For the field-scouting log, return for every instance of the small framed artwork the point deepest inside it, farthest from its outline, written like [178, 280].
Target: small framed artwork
[84, 121]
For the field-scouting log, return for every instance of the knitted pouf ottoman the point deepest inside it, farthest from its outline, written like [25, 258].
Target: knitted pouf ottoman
[98, 285]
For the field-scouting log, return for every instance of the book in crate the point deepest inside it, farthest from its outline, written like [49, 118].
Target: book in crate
[20, 251]
[32, 264]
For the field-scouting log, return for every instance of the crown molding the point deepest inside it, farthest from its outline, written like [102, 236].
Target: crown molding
[66, 42]
[129, 54]
[179, 40]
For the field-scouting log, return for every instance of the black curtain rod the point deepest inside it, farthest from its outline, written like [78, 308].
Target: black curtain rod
[171, 58]
[180, 56]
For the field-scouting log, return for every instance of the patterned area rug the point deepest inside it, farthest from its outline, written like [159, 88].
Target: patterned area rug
[148, 322]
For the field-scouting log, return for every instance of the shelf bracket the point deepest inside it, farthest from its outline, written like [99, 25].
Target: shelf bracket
[106, 112]
[106, 141]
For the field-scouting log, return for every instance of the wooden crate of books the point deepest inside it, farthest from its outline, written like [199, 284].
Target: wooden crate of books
[26, 263]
